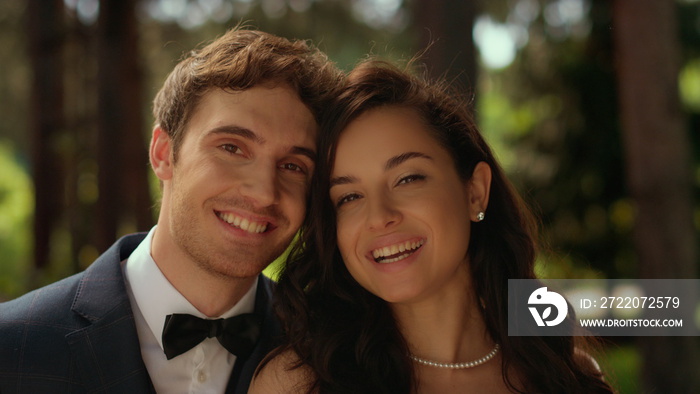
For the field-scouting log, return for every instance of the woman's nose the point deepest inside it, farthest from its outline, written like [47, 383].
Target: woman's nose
[382, 214]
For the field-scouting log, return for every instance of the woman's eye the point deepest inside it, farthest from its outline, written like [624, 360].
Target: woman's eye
[231, 148]
[410, 178]
[346, 199]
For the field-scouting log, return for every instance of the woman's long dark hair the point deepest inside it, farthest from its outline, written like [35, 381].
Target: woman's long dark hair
[348, 336]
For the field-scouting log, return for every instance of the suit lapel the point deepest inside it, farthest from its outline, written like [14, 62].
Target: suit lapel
[243, 371]
[107, 350]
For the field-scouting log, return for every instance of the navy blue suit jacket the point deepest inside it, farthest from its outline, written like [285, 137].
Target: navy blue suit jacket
[78, 335]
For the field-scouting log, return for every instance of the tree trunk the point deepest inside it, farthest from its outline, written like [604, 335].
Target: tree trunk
[122, 154]
[446, 28]
[81, 126]
[45, 29]
[658, 165]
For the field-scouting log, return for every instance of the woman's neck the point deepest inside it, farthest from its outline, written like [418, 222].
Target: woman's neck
[447, 327]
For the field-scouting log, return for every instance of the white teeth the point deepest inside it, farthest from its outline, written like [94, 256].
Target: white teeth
[397, 258]
[395, 249]
[243, 223]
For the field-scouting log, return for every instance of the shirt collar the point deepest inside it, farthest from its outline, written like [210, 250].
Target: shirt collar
[157, 298]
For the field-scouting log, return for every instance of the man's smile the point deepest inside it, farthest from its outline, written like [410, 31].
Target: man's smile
[245, 224]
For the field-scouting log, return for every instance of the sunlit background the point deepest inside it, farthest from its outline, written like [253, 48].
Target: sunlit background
[543, 87]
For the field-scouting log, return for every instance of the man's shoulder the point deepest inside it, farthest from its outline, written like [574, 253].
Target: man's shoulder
[52, 303]
[39, 330]
[39, 303]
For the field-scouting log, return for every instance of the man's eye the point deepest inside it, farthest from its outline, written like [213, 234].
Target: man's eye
[292, 167]
[231, 148]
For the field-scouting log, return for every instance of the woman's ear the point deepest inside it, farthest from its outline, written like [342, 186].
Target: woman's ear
[160, 154]
[478, 190]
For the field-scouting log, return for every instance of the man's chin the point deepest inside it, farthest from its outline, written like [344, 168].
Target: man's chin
[240, 267]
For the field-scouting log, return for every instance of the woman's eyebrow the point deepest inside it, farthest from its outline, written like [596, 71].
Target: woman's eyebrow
[391, 163]
[398, 159]
[343, 180]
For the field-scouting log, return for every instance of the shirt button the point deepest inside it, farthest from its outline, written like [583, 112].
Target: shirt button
[201, 376]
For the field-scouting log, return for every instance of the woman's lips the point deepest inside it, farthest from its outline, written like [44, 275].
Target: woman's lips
[396, 252]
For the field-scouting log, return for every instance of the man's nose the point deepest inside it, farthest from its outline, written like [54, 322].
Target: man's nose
[259, 185]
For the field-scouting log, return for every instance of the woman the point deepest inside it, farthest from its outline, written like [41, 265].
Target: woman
[428, 229]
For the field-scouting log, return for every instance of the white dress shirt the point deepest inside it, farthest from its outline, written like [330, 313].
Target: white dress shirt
[206, 368]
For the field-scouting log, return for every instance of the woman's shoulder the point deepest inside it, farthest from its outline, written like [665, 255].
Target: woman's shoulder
[586, 360]
[283, 373]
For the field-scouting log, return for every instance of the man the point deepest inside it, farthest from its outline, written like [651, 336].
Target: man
[234, 147]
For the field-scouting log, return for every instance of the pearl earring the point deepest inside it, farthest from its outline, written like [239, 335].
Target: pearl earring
[480, 216]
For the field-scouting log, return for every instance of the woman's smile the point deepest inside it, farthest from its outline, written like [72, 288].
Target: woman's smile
[396, 252]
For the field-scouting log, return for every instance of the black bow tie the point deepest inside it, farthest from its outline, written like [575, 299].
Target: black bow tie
[238, 334]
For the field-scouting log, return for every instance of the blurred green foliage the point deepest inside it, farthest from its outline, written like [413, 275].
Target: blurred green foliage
[689, 85]
[621, 365]
[16, 207]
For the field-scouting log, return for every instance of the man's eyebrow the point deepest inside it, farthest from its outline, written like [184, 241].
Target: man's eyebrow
[398, 159]
[239, 131]
[300, 150]
[251, 135]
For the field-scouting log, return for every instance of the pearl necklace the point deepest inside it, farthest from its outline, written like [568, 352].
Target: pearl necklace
[469, 364]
